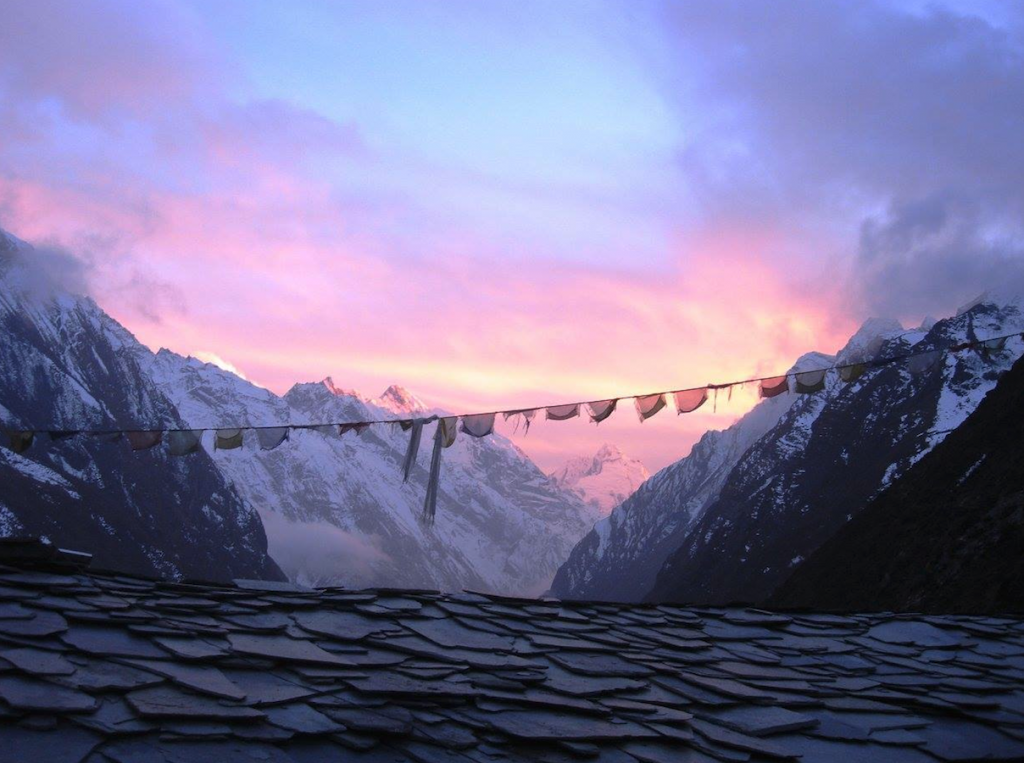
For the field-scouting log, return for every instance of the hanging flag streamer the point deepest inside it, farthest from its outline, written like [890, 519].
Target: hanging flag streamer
[270, 437]
[774, 386]
[227, 439]
[562, 412]
[689, 400]
[143, 440]
[648, 405]
[416, 425]
[526, 416]
[444, 437]
[184, 442]
[601, 409]
[810, 381]
[478, 425]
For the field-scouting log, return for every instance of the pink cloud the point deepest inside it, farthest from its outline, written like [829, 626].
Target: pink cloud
[209, 226]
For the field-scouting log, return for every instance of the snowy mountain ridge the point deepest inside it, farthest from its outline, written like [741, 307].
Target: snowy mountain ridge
[603, 480]
[64, 363]
[337, 511]
[832, 452]
[681, 505]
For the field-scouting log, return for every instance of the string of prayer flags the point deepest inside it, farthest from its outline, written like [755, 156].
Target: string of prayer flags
[478, 425]
[227, 439]
[810, 381]
[601, 409]
[648, 405]
[525, 415]
[774, 386]
[562, 412]
[143, 440]
[270, 437]
[924, 361]
[184, 442]
[444, 437]
[689, 400]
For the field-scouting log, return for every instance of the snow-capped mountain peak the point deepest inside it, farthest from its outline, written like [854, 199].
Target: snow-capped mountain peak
[603, 480]
[337, 391]
[398, 399]
[867, 340]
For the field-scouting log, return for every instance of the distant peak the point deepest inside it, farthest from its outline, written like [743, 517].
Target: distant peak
[609, 452]
[868, 339]
[335, 390]
[812, 361]
[398, 399]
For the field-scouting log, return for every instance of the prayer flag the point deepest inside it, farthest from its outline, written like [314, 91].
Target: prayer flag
[774, 387]
[143, 440]
[601, 409]
[648, 405]
[270, 437]
[924, 361]
[527, 415]
[19, 441]
[227, 439]
[852, 372]
[478, 425]
[563, 412]
[689, 400]
[184, 442]
[810, 381]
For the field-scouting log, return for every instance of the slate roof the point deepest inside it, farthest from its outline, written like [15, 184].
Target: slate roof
[105, 667]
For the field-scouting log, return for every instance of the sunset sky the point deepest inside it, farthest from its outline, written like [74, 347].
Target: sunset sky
[504, 203]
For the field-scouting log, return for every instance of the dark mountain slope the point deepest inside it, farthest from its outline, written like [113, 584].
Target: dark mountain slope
[829, 455]
[948, 536]
[64, 363]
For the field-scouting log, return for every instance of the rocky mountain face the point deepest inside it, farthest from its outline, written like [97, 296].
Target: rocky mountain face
[620, 558]
[64, 362]
[829, 454]
[603, 480]
[337, 510]
[947, 536]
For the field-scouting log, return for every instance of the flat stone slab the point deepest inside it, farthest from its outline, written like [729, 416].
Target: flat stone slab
[763, 720]
[23, 693]
[284, 648]
[167, 702]
[38, 661]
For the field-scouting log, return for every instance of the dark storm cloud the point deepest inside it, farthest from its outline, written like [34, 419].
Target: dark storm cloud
[905, 125]
[939, 248]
